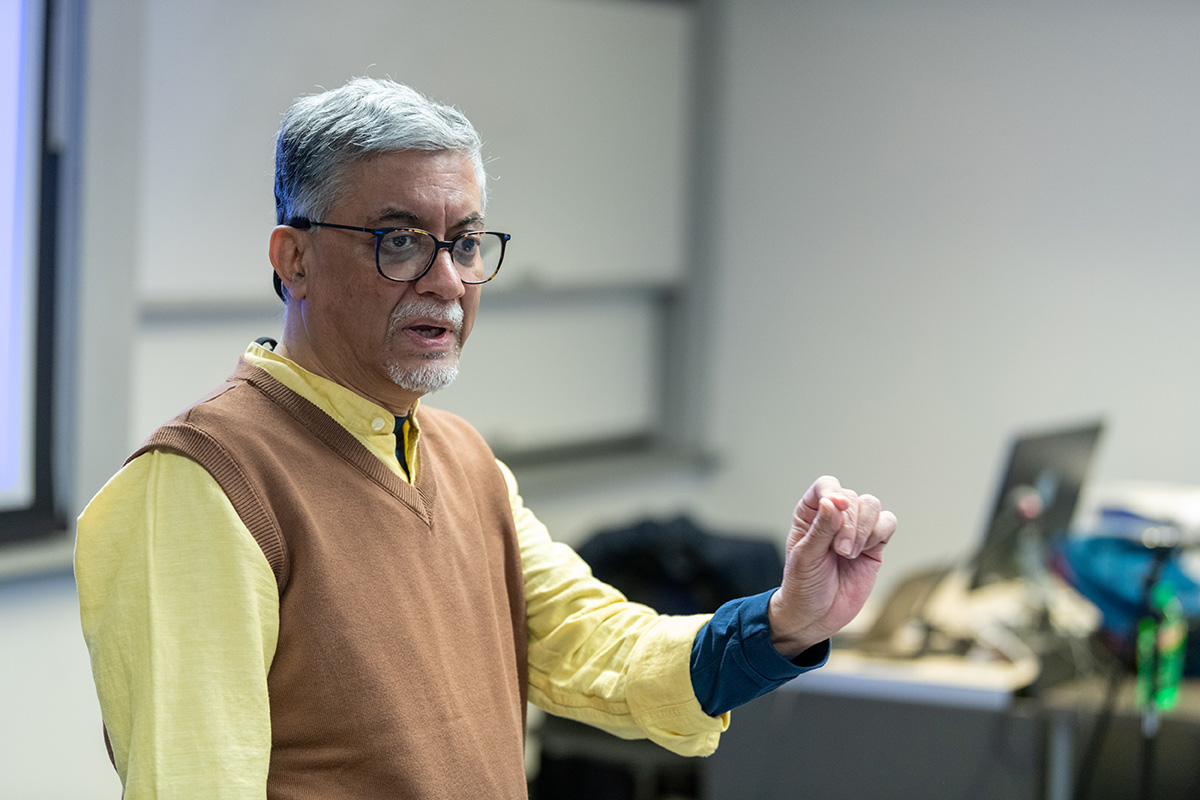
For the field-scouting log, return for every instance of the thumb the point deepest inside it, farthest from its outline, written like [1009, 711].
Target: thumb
[818, 536]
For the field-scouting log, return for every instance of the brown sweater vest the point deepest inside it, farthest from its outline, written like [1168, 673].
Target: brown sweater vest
[400, 670]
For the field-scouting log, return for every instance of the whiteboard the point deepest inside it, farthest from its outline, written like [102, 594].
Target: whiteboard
[582, 106]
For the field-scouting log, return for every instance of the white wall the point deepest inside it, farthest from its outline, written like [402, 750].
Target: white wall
[51, 740]
[945, 221]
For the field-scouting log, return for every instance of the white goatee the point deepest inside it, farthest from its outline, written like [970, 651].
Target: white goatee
[439, 369]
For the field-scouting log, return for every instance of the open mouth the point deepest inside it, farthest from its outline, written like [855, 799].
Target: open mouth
[427, 331]
[427, 324]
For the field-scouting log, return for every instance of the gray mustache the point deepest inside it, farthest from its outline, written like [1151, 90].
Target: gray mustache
[446, 315]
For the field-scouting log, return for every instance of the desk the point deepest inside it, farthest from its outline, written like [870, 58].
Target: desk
[864, 727]
[1073, 709]
[940, 680]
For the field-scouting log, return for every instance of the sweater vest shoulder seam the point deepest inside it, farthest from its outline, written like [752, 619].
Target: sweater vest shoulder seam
[205, 450]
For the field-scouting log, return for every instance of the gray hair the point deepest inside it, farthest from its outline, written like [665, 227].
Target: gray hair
[323, 133]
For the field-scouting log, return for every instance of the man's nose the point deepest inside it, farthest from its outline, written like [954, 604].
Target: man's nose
[442, 278]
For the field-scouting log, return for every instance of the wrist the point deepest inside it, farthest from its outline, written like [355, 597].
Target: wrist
[789, 642]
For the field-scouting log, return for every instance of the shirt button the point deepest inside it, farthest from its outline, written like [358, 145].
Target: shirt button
[377, 424]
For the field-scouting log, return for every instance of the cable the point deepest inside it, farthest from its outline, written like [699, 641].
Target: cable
[1150, 726]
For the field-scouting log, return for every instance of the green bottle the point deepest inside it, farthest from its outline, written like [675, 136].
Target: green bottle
[1162, 644]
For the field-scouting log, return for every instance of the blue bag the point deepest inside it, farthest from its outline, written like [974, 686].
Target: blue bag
[1111, 572]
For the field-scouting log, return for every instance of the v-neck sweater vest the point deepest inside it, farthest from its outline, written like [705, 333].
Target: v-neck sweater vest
[400, 669]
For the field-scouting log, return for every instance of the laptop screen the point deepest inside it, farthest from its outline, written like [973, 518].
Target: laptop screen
[1036, 501]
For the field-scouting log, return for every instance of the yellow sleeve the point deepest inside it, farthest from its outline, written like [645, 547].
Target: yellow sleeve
[180, 612]
[597, 658]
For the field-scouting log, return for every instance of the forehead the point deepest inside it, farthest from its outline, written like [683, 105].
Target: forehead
[411, 185]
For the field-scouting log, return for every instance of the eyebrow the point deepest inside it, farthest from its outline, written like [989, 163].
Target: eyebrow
[409, 219]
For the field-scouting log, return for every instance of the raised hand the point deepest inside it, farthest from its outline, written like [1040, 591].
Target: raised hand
[833, 554]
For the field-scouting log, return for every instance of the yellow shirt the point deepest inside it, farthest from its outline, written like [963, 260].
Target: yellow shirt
[183, 684]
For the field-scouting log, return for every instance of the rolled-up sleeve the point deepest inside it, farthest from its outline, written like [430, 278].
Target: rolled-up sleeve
[598, 658]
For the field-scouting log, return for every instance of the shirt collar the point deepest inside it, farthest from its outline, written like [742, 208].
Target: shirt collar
[368, 421]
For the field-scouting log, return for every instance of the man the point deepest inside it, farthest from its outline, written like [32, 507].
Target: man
[308, 585]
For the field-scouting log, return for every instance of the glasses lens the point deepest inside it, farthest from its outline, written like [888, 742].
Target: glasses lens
[477, 256]
[404, 254]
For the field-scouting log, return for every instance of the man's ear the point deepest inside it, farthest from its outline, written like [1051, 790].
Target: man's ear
[287, 251]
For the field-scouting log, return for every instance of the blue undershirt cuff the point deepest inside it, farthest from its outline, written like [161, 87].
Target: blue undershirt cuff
[733, 660]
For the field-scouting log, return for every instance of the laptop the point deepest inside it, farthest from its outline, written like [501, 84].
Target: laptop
[1034, 504]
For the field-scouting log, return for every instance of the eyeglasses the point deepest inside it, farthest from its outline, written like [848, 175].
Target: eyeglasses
[406, 254]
